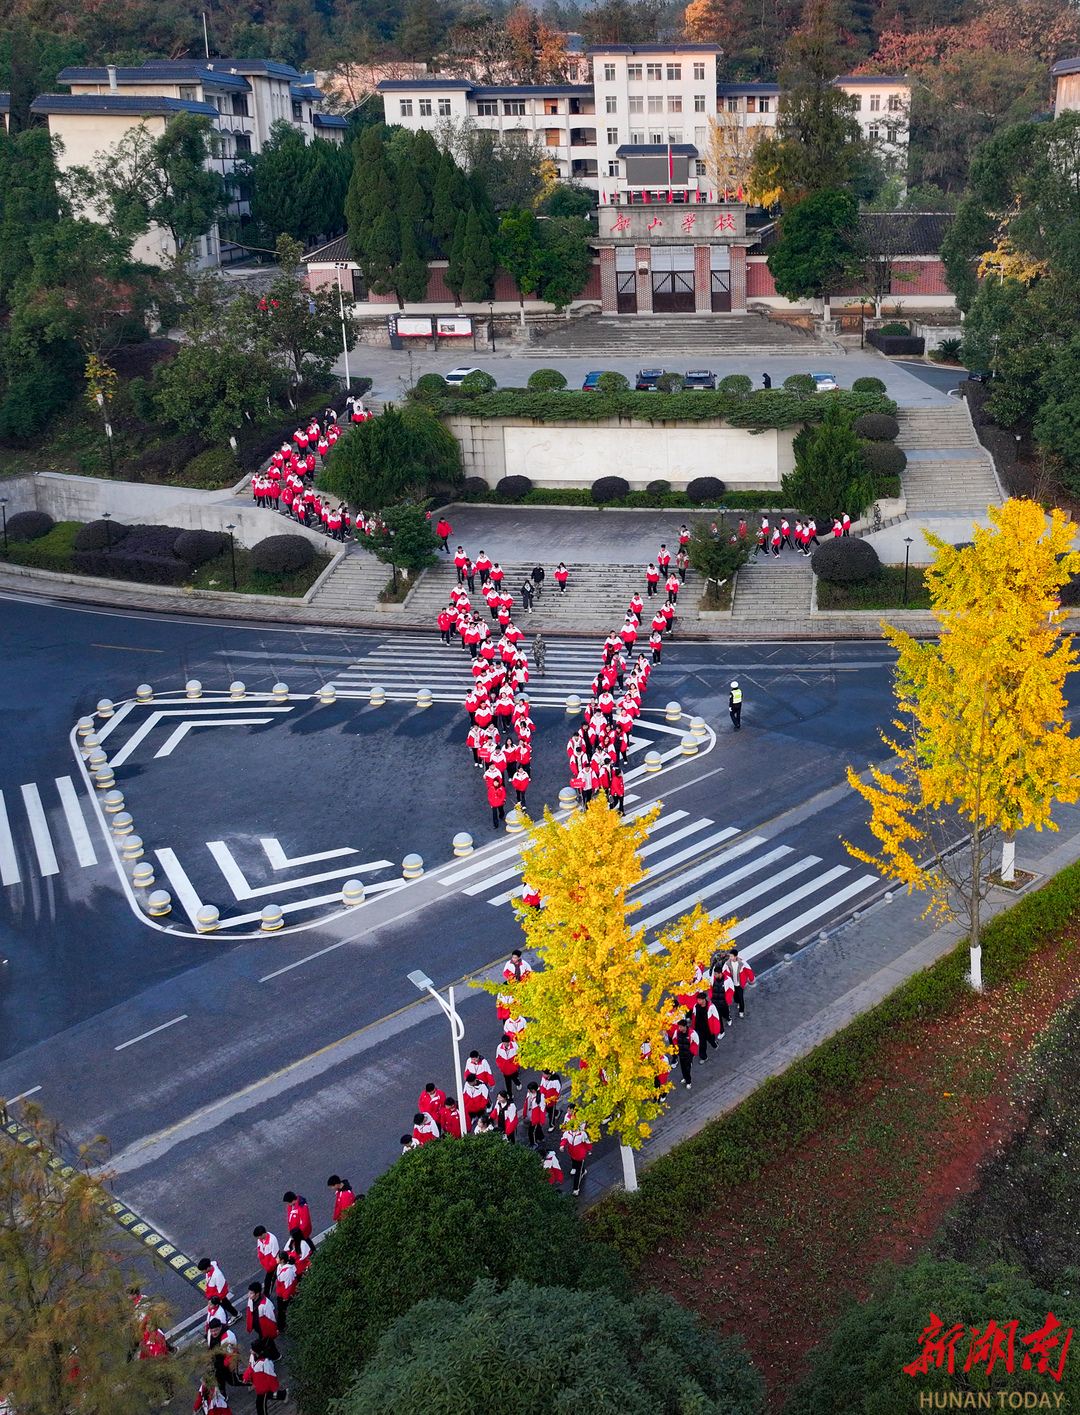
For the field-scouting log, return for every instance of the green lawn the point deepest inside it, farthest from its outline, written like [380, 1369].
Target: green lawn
[218, 575]
[886, 591]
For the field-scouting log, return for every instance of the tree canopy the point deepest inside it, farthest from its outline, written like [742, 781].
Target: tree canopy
[818, 247]
[397, 454]
[830, 475]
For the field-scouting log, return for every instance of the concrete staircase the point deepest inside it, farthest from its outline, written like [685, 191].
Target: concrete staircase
[948, 472]
[774, 588]
[689, 341]
[354, 584]
[596, 596]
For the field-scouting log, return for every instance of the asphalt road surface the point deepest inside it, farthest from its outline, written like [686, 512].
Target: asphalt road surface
[227, 1067]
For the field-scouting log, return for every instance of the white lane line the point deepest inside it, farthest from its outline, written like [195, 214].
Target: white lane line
[685, 876]
[179, 733]
[791, 897]
[494, 879]
[114, 721]
[629, 801]
[690, 829]
[726, 881]
[9, 862]
[691, 850]
[662, 822]
[152, 1032]
[39, 829]
[510, 894]
[194, 712]
[297, 905]
[800, 867]
[473, 869]
[280, 861]
[182, 886]
[80, 836]
[785, 930]
[23, 1095]
[240, 887]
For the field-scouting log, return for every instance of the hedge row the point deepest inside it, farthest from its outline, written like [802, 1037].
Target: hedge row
[766, 408]
[638, 500]
[733, 1150]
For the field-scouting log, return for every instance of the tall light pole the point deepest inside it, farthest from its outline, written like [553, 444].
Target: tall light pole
[344, 332]
[907, 558]
[3, 510]
[232, 552]
[108, 533]
[457, 1031]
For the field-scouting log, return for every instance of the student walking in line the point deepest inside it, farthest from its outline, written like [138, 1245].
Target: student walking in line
[538, 580]
[685, 1052]
[562, 574]
[443, 531]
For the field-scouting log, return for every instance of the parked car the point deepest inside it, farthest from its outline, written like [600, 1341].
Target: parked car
[457, 374]
[591, 380]
[647, 379]
[825, 382]
[699, 378]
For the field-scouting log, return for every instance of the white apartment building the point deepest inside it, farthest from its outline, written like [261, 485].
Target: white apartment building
[1066, 76]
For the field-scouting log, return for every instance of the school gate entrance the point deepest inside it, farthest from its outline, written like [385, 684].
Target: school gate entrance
[673, 258]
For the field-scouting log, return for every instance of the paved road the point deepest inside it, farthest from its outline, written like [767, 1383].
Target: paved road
[228, 1067]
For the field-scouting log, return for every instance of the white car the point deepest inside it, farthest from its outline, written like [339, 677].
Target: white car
[825, 382]
[457, 374]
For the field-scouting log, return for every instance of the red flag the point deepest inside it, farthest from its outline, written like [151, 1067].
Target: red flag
[670, 167]
[725, 193]
[739, 192]
[670, 196]
[645, 195]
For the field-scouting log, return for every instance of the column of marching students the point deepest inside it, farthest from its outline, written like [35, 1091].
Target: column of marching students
[287, 483]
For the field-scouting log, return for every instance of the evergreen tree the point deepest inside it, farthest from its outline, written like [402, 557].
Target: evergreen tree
[332, 164]
[285, 193]
[518, 249]
[480, 198]
[455, 271]
[372, 195]
[28, 200]
[478, 266]
[817, 251]
[566, 259]
[830, 476]
[380, 258]
[450, 200]
[411, 275]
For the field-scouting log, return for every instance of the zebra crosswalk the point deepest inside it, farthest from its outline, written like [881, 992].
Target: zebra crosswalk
[33, 842]
[736, 874]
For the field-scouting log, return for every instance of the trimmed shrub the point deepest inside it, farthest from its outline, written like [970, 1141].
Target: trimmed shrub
[670, 383]
[474, 486]
[868, 385]
[659, 488]
[736, 383]
[845, 561]
[609, 489]
[612, 383]
[430, 386]
[513, 488]
[702, 490]
[478, 382]
[29, 525]
[51, 552]
[282, 555]
[197, 547]
[887, 486]
[546, 380]
[144, 555]
[884, 459]
[899, 329]
[100, 535]
[800, 383]
[896, 343]
[876, 427]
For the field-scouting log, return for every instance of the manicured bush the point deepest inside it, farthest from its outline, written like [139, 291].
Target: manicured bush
[800, 383]
[868, 385]
[197, 547]
[214, 468]
[887, 486]
[898, 329]
[429, 386]
[612, 383]
[845, 561]
[474, 486]
[669, 383]
[876, 427]
[144, 554]
[99, 535]
[534, 1349]
[478, 382]
[703, 490]
[658, 488]
[282, 555]
[896, 343]
[884, 458]
[513, 488]
[609, 489]
[51, 552]
[546, 380]
[736, 383]
[29, 525]
[443, 1216]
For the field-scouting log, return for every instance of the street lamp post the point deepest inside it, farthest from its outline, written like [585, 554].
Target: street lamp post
[232, 552]
[3, 511]
[907, 558]
[491, 323]
[457, 1031]
[344, 331]
[108, 531]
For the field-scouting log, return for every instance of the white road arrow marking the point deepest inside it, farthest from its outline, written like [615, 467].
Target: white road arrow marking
[178, 734]
[240, 887]
[280, 861]
[155, 717]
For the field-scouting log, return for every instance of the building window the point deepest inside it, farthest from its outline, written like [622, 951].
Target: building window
[243, 142]
[674, 135]
[188, 93]
[609, 73]
[613, 137]
[856, 102]
[359, 287]
[657, 139]
[611, 103]
[573, 73]
[733, 105]
[656, 104]
[890, 134]
[750, 103]
[298, 112]
[514, 107]
[763, 105]
[633, 71]
[701, 168]
[554, 137]
[654, 71]
[699, 137]
[699, 103]
[613, 169]
[699, 71]
[239, 106]
[674, 73]
[674, 103]
[637, 103]
[487, 110]
[873, 132]
[875, 103]
[637, 139]
[895, 103]
[425, 108]
[444, 108]
[406, 107]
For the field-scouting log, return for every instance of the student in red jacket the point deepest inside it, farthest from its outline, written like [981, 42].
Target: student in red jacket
[262, 1315]
[431, 1099]
[262, 1377]
[576, 1142]
[300, 1251]
[496, 792]
[344, 1198]
[506, 1059]
[444, 623]
[552, 1167]
[444, 532]
[266, 1247]
[450, 1118]
[284, 1286]
[425, 1127]
[562, 574]
[217, 1288]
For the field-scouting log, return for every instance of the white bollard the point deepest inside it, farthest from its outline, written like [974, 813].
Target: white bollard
[96, 759]
[132, 847]
[568, 799]
[280, 692]
[573, 705]
[105, 707]
[206, 920]
[412, 867]
[122, 824]
[698, 728]
[673, 712]
[377, 697]
[424, 698]
[144, 693]
[104, 778]
[272, 918]
[352, 892]
[89, 742]
[237, 691]
[114, 801]
[652, 761]
[143, 876]
[84, 726]
[327, 694]
[689, 745]
[159, 903]
[193, 688]
[514, 824]
[463, 844]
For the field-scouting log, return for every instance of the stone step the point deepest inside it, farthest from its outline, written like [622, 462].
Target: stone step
[774, 588]
[355, 583]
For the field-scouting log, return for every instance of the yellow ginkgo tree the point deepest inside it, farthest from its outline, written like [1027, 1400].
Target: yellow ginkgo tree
[983, 735]
[600, 996]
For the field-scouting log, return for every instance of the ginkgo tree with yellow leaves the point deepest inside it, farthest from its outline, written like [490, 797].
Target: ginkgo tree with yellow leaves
[602, 1001]
[983, 735]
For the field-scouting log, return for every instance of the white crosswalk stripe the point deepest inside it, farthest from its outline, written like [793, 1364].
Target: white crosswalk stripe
[39, 853]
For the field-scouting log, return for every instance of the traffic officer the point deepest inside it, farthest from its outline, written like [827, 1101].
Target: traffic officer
[735, 705]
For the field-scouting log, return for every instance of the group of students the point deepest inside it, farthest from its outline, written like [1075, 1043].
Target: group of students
[598, 750]
[268, 1300]
[286, 483]
[799, 537]
[717, 987]
[491, 575]
[663, 621]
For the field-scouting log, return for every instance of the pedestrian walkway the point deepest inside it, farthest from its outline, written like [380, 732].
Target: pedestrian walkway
[948, 472]
[773, 588]
[354, 583]
[596, 596]
[32, 848]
